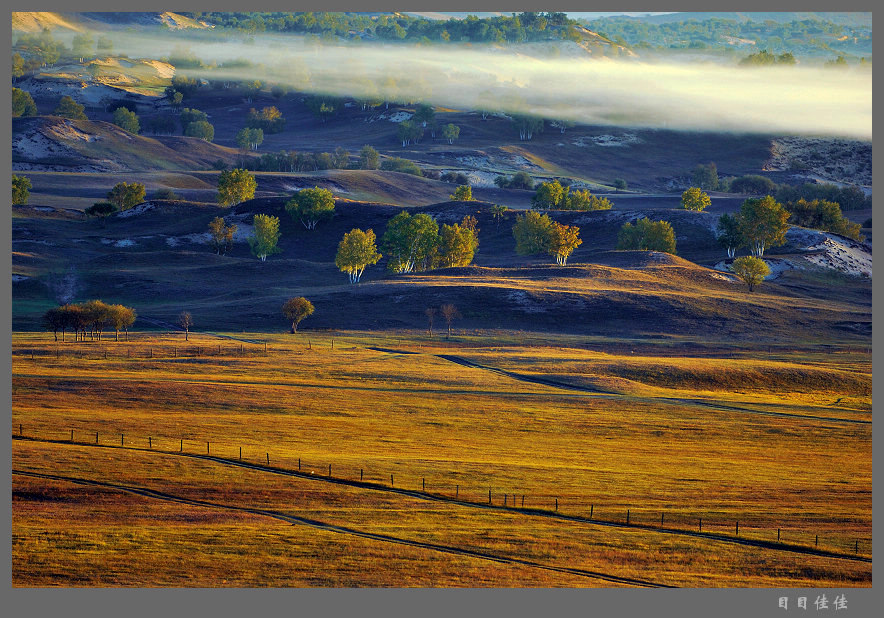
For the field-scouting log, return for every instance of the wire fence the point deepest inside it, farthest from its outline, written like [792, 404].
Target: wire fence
[611, 512]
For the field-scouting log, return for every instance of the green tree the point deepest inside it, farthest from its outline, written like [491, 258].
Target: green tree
[450, 132]
[221, 235]
[369, 159]
[126, 120]
[423, 114]
[410, 242]
[730, 233]
[463, 193]
[341, 158]
[101, 210]
[296, 309]
[356, 250]
[695, 199]
[68, 108]
[55, 319]
[581, 199]
[751, 270]
[185, 321]
[563, 239]
[263, 240]
[21, 189]
[310, 206]
[235, 186]
[548, 195]
[647, 235]
[189, 115]
[620, 184]
[269, 120]
[409, 132]
[200, 129]
[532, 233]
[764, 224]
[125, 195]
[22, 103]
[705, 176]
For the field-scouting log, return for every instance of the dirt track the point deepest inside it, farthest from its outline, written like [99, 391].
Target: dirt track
[295, 520]
[439, 498]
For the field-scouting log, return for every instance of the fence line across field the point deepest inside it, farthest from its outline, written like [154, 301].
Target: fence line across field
[582, 510]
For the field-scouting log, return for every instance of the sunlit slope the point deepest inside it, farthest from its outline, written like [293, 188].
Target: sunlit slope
[157, 260]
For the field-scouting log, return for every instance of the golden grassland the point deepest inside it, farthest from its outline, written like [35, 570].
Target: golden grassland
[649, 443]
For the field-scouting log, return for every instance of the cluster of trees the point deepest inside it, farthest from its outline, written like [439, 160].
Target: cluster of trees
[515, 28]
[357, 250]
[449, 313]
[91, 317]
[249, 138]
[464, 193]
[823, 215]
[519, 180]
[416, 243]
[764, 58]
[554, 196]
[22, 103]
[705, 176]
[395, 164]
[291, 161]
[647, 235]
[812, 35]
[536, 233]
[195, 123]
[21, 189]
[269, 120]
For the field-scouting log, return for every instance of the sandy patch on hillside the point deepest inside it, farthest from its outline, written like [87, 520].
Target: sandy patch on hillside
[396, 116]
[828, 251]
[136, 210]
[827, 159]
[624, 139]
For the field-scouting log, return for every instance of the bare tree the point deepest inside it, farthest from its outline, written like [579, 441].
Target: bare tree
[185, 321]
[431, 314]
[449, 312]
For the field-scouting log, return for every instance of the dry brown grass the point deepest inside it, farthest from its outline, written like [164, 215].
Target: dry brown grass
[650, 450]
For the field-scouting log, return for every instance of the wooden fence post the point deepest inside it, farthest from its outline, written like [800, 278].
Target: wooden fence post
[329, 470]
[627, 517]
[19, 430]
[523, 501]
[299, 463]
[661, 520]
[240, 452]
[817, 544]
[778, 535]
[149, 442]
[72, 435]
[182, 445]
[591, 507]
[489, 496]
[701, 525]
[738, 529]
[391, 480]
[121, 439]
[207, 448]
[360, 474]
[856, 549]
[268, 459]
[557, 504]
[423, 484]
[456, 491]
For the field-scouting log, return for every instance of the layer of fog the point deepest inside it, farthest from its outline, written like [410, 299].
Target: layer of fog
[796, 99]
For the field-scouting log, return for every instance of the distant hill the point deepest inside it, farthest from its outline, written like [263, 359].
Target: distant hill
[60, 144]
[35, 21]
[843, 18]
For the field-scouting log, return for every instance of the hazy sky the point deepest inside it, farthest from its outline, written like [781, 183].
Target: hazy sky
[696, 96]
